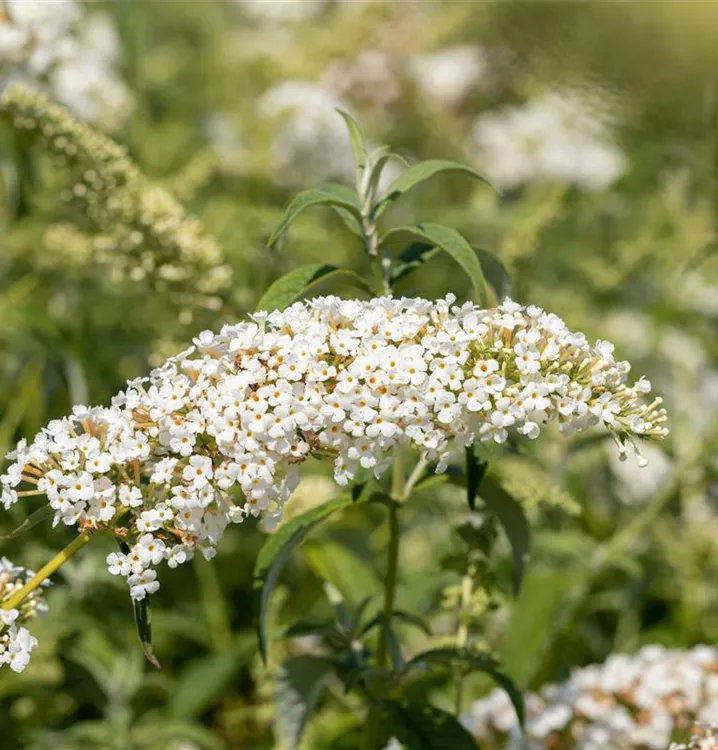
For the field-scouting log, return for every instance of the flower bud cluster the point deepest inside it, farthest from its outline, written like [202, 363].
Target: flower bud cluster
[57, 46]
[16, 642]
[219, 431]
[140, 232]
[643, 701]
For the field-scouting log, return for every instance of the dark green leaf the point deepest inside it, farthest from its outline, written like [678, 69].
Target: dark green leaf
[473, 662]
[495, 273]
[392, 643]
[401, 615]
[32, 520]
[274, 555]
[296, 283]
[328, 195]
[356, 139]
[475, 470]
[411, 258]
[144, 629]
[299, 684]
[420, 726]
[511, 517]
[420, 172]
[451, 242]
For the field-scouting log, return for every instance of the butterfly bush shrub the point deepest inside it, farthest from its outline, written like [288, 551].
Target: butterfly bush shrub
[220, 432]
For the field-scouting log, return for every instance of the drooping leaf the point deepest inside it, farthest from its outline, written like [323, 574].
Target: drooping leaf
[473, 662]
[356, 139]
[475, 471]
[274, 555]
[299, 684]
[144, 629]
[420, 726]
[495, 273]
[451, 242]
[296, 283]
[328, 195]
[402, 616]
[513, 520]
[420, 172]
[31, 521]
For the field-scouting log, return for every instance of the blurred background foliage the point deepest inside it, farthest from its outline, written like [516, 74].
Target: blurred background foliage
[229, 108]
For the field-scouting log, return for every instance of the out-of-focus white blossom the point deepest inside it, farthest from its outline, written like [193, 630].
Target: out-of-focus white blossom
[16, 642]
[705, 737]
[447, 77]
[311, 143]
[643, 701]
[634, 485]
[219, 431]
[55, 45]
[280, 11]
[560, 137]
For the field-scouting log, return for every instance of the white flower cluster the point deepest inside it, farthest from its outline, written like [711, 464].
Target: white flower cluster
[235, 415]
[16, 642]
[559, 137]
[54, 44]
[643, 701]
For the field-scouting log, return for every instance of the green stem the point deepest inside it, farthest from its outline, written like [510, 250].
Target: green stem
[47, 570]
[462, 634]
[372, 726]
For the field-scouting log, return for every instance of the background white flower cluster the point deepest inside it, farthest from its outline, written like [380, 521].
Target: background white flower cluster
[16, 642]
[57, 46]
[640, 701]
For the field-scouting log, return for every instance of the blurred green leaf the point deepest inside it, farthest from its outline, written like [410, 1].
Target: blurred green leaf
[420, 172]
[451, 242]
[296, 283]
[299, 684]
[203, 681]
[328, 195]
[274, 555]
[513, 520]
[421, 726]
[474, 662]
[142, 612]
[32, 520]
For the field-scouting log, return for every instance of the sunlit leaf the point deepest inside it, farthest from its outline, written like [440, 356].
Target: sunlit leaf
[420, 172]
[451, 242]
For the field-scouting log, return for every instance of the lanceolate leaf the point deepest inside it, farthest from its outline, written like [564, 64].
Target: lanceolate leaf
[511, 517]
[420, 172]
[144, 629]
[328, 195]
[420, 726]
[495, 273]
[473, 662]
[296, 283]
[299, 682]
[274, 555]
[412, 258]
[356, 139]
[451, 242]
[32, 520]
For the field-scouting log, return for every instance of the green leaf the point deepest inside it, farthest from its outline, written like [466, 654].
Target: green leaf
[32, 520]
[296, 283]
[274, 555]
[299, 684]
[144, 629]
[329, 195]
[474, 662]
[475, 471]
[356, 139]
[420, 172]
[162, 733]
[513, 520]
[414, 256]
[451, 242]
[205, 680]
[496, 274]
[420, 726]
[400, 615]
